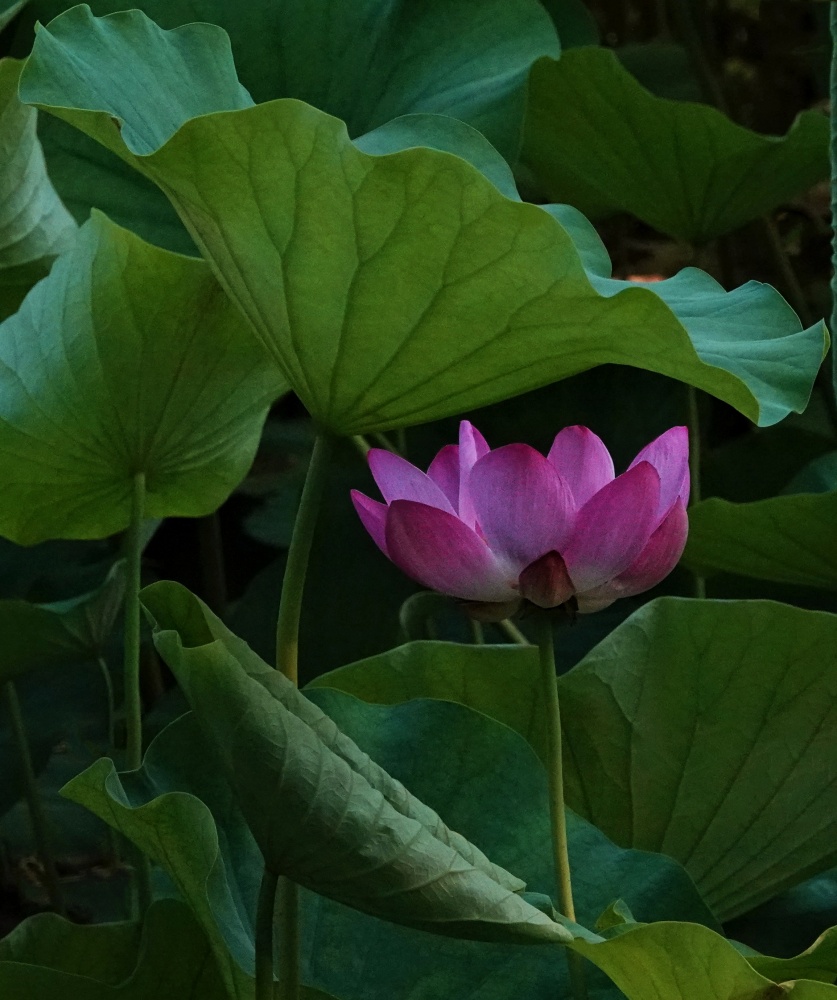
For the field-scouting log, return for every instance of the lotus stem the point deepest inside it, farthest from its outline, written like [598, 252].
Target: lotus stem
[264, 936]
[513, 632]
[213, 568]
[557, 812]
[37, 817]
[133, 699]
[287, 661]
[833, 118]
[293, 584]
[133, 696]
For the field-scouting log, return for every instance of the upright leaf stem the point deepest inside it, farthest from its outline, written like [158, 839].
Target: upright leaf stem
[133, 695]
[133, 699]
[264, 936]
[37, 817]
[284, 890]
[557, 813]
[293, 584]
[833, 147]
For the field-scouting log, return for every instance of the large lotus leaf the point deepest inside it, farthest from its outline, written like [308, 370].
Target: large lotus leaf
[598, 140]
[34, 225]
[503, 682]
[370, 960]
[49, 958]
[180, 810]
[721, 717]
[788, 539]
[183, 622]
[452, 295]
[125, 359]
[41, 635]
[316, 815]
[696, 698]
[373, 60]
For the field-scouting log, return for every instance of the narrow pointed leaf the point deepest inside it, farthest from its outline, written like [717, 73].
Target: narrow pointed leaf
[379, 257]
[597, 139]
[315, 816]
[125, 359]
[177, 611]
[34, 225]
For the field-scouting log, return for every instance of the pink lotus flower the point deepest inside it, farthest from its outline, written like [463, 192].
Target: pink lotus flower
[497, 528]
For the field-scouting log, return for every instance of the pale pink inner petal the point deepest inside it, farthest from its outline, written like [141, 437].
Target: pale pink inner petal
[472, 447]
[437, 549]
[444, 471]
[546, 582]
[398, 479]
[523, 507]
[580, 456]
[669, 454]
[612, 528]
[374, 518]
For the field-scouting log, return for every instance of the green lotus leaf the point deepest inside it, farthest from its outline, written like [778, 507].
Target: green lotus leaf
[125, 359]
[395, 289]
[180, 809]
[596, 138]
[41, 635]
[718, 716]
[695, 698]
[787, 539]
[48, 958]
[461, 892]
[365, 62]
[34, 224]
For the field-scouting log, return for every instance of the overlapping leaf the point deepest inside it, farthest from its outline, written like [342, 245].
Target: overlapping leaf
[451, 294]
[34, 225]
[788, 539]
[598, 140]
[478, 772]
[49, 958]
[41, 635]
[388, 854]
[363, 62]
[125, 359]
[721, 718]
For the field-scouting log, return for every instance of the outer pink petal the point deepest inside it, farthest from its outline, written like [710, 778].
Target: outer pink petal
[444, 471]
[669, 454]
[580, 456]
[654, 563]
[546, 582]
[660, 555]
[398, 479]
[374, 518]
[613, 527]
[523, 507]
[442, 553]
[472, 447]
